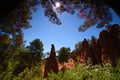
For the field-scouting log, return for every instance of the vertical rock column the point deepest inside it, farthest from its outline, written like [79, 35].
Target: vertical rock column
[51, 63]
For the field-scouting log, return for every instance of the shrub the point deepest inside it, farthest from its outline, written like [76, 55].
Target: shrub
[80, 72]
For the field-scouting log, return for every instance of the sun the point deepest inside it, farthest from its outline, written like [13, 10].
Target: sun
[57, 4]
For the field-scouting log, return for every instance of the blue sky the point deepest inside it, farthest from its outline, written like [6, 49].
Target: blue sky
[64, 35]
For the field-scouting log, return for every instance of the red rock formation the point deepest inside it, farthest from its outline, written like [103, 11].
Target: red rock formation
[110, 44]
[105, 49]
[96, 52]
[86, 51]
[51, 63]
[75, 55]
[83, 54]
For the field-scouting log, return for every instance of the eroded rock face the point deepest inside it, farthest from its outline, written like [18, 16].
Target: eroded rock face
[110, 44]
[86, 51]
[105, 49]
[96, 52]
[51, 63]
[75, 55]
[83, 54]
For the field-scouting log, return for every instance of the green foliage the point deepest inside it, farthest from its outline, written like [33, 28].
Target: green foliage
[36, 50]
[35, 73]
[8, 73]
[116, 71]
[13, 19]
[63, 54]
[36, 46]
[89, 72]
[30, 74]
[79, 72]
[78, 45]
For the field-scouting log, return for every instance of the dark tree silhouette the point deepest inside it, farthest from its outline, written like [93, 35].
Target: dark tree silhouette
[4, 44]
[15, 15]
[78, 46]
[63, 55]
[115, 5]
[36, 49]
[94, 11]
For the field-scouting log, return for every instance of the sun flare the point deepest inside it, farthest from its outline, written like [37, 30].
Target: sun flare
[57, 4]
